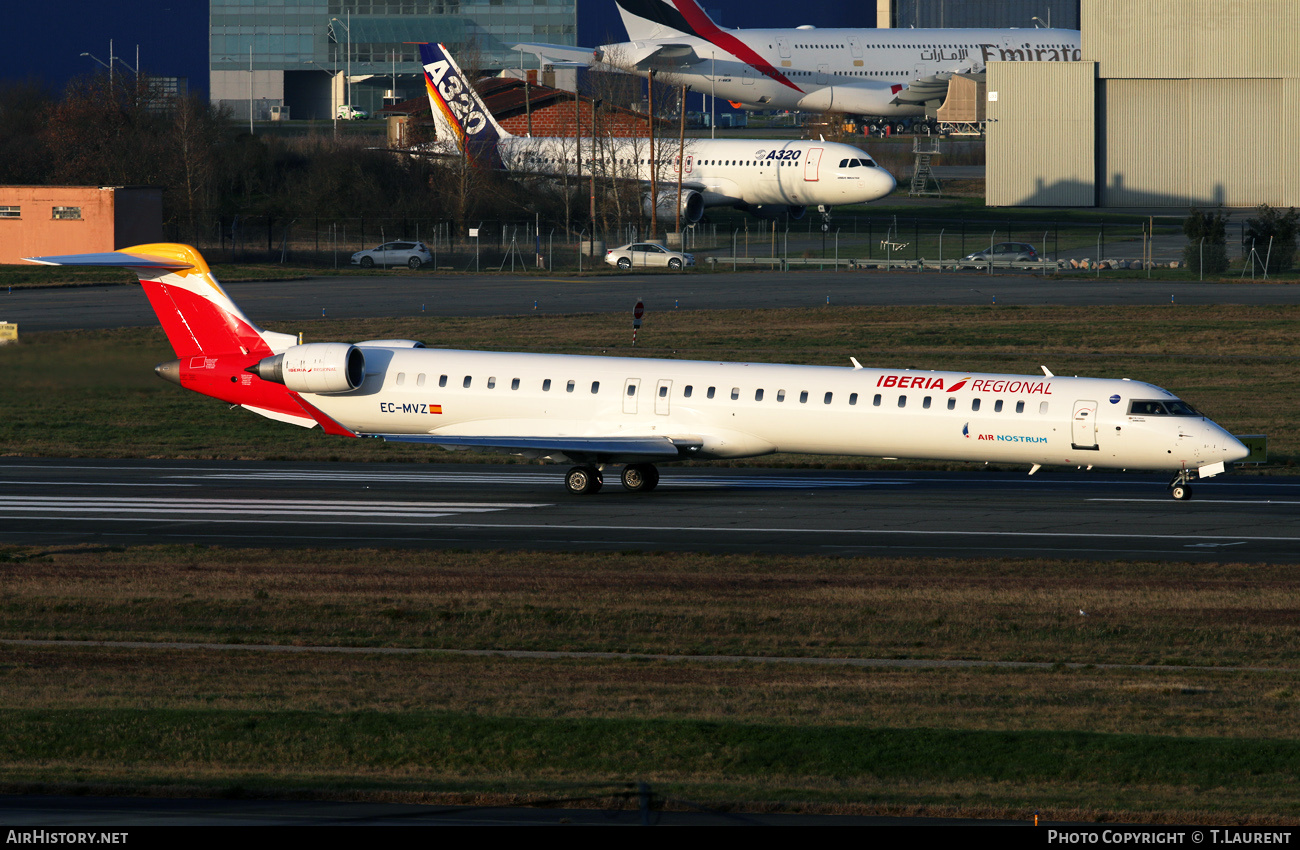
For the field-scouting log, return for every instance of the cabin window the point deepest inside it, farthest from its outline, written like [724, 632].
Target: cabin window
[631, 389]
[875, 401]
[663, 392]
[902, 401]
[686, 393]
[952, 404]
[710, 392]
[735, 393]
[467, 381]
[401, 378]
[492, 382]
[419, 380]
[569, 387]
[546, 385]
[1020, 407]
[803, 397]
[1042, 408]
[442, 380]
[780, 396]
[758, 395]
[514, 384]
[974, 404]
[853, 399]
[595, 387]
[827, 398]
[997, 406]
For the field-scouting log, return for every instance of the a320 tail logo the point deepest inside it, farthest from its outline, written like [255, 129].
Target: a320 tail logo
[453, 91]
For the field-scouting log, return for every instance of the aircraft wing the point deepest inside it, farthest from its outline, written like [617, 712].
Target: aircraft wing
[623, 448]
[644, 54]
[559, 55]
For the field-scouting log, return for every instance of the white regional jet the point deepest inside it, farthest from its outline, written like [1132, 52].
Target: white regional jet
[765, 177]
[885, 72]
[600, 411]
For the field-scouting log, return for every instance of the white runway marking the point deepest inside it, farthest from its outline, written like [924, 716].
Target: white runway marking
[344, 512]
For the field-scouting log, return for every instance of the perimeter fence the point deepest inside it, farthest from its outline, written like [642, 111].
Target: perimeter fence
[731, 238]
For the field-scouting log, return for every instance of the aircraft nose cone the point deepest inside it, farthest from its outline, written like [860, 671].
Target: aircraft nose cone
[1235, 449]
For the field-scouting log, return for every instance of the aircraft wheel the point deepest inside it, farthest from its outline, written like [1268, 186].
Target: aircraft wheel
[583, 480]
[414, 263]
[1181, 492]
[624, 263]
[640, 477]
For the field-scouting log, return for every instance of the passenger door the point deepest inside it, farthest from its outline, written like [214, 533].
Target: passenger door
[1083, 427]
[810, 165]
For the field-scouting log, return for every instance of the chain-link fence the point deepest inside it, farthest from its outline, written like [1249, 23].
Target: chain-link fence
[731, 238]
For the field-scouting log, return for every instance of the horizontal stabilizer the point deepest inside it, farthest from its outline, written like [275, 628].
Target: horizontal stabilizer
[558, 54]
[115, 259]
[622, 446]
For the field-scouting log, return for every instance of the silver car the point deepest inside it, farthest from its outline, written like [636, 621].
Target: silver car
[1005, 253]
[647, 255]
[409, 254]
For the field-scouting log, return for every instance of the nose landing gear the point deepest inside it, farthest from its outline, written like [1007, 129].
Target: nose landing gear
[1181, 488]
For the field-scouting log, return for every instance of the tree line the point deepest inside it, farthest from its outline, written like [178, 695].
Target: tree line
[119, 131]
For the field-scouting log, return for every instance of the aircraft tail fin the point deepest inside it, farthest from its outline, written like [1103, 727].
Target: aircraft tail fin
[196, 313]
[459, 114]
[663, 18]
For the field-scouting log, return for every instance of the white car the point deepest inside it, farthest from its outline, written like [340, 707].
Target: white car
[409, 254]
[349, 113]
[647, 255]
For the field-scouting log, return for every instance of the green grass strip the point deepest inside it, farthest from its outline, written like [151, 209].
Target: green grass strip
[442, 745]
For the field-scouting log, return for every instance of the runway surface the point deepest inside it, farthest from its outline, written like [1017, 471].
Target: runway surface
[1088, 515]
[493, 295]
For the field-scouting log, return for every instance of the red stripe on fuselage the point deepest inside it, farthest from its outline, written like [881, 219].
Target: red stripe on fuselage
[709, 31]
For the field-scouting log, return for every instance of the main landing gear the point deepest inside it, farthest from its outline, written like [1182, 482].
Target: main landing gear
[1181, 488]
[636, 478]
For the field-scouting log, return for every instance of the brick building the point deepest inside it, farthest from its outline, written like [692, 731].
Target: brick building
[49, 220]
[553, 112]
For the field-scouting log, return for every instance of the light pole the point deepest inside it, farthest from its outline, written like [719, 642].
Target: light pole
[347, 80]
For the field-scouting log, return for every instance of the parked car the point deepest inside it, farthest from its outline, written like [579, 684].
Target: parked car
[349, 113]
[409, 254]
[647, 255]
[1005, 253]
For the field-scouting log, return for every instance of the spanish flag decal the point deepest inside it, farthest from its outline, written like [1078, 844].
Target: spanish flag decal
[435, 408]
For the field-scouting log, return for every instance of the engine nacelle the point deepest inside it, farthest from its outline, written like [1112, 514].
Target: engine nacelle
[770, 212]
[318, 367]
[690, 203]
[862, 98]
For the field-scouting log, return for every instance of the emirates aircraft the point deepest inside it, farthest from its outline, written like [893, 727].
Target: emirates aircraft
[877, 72]
[598, 412]
[765, 177]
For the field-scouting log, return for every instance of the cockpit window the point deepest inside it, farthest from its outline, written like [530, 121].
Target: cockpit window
[1181, 408]
[1161, 408]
